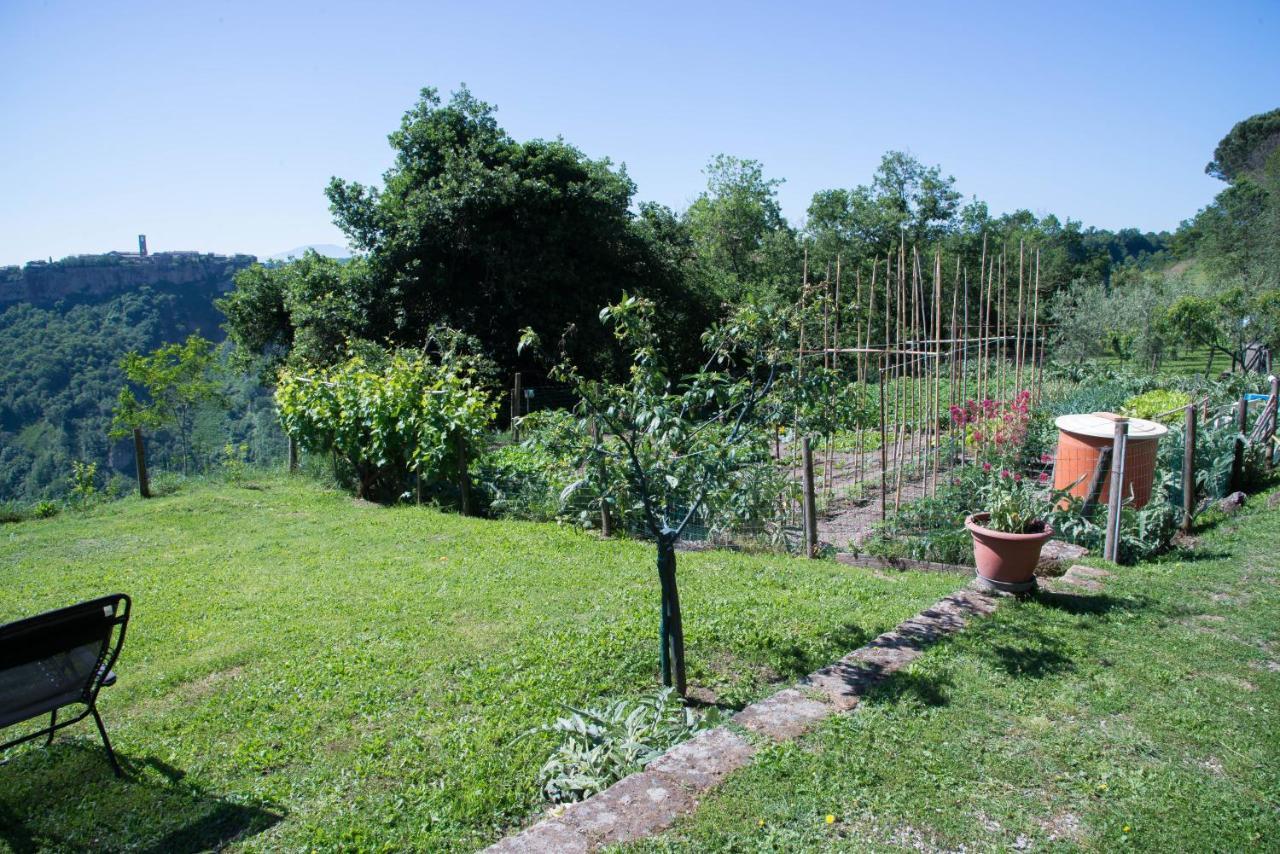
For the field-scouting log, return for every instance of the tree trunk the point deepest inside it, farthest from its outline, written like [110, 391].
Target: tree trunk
[672, 626]
[140, 456]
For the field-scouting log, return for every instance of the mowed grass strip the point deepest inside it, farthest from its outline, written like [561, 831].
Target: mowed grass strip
[1146, 715]
[303, 670]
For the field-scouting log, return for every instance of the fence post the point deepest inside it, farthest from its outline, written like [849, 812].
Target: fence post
[1189, 468]
[515, 408]
[1272, 414]
[606, 520]
[810, 504]
[293, 455]
[1237, 458]
[1115, 500]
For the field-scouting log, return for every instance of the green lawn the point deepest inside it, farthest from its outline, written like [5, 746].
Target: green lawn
[306, 671]
[1144, 716]
[1187, 362]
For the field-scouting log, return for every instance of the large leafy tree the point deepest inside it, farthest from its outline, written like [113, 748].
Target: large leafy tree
[738, 230]
[476, 230]
[1247, 148]
[905, 201]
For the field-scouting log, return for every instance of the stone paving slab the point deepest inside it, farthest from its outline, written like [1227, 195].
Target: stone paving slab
[783, 716]
[548, 835]
[1083, 577]
[705, 760]
[632, 808]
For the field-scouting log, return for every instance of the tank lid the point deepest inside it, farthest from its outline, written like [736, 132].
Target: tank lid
[1102, 425]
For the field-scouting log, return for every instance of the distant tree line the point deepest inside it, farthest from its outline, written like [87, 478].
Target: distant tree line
[473, 229]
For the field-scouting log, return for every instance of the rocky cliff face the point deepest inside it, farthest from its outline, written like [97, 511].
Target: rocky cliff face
[90, 276]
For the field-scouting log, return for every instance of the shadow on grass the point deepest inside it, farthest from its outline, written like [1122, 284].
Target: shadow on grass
[66, 798]
[906, 685]
[1097, 604]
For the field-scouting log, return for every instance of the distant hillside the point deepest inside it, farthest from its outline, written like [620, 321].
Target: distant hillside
[64, 327]
[88, 277]
[329, 250]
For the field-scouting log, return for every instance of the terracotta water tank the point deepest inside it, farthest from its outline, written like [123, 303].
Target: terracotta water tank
[1081, 439]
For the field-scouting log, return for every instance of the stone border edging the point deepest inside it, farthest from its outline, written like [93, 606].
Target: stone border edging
[650, 801]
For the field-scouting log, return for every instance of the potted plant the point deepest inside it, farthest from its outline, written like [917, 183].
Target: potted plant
[1008, 535]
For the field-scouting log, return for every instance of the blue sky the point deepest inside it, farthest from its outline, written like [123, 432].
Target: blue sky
[215, 126]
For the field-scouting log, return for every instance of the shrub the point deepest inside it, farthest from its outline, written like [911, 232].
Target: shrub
[84, 490]
[533, 479]
[601, 746]
[45, 509]
[389, 414]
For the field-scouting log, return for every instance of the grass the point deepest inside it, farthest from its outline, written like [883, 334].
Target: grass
[1187, 362]
[305, 671]
[1146, 716]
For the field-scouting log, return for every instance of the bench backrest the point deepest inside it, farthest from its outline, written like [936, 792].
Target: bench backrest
[59, 657]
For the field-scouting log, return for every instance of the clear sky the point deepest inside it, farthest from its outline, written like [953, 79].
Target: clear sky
[216, 125]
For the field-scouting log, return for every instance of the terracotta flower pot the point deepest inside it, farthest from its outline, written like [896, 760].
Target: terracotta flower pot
[1005, 562]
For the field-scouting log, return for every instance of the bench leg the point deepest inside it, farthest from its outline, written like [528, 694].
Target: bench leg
[106, 742]
[53, 722]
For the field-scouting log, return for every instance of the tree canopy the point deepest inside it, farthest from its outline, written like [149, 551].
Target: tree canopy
[473, 229]
[1247, 148]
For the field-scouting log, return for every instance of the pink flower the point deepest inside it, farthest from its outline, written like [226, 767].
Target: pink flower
[1005, 473]
[1046, 458]
[977, 435]
[986, 466]
[1044, 477]
[1017, 478]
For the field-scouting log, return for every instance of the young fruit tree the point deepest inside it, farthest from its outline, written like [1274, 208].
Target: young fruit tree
[679, 453]
[177, 379]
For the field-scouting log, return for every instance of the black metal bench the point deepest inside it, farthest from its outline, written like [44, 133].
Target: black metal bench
[61, 658]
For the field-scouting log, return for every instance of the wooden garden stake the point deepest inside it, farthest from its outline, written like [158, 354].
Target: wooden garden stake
[1189, 468]
[810, 503]
[1115, 500]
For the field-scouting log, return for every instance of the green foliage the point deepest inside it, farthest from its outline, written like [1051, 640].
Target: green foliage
[1159, 404]
[600, 746]
[538, 479]
[177, 379]
[389, 415]
[477, 230]
[235, 461]
[45, 509]
[1246, 149]
[83, 481]
[1144, 532]
[60, 374]
[307, 310]
[932, 528]
[738, 231]
[1017, 505]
